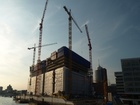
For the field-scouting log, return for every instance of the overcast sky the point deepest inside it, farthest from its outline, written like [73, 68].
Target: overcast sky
[114, 29]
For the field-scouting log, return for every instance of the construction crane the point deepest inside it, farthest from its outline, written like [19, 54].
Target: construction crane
[32, 67]
[38, 77]
[90, 72]
[70, 26]
[41, 29]
[70, 46]
[90, 51]
[34, 50]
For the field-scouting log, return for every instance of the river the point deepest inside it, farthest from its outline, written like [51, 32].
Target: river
[10, 101]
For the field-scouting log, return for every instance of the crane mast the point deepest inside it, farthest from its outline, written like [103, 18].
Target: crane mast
[34, 51]
[90, 50]
[34, 54]
[70, 26]
[41, 29]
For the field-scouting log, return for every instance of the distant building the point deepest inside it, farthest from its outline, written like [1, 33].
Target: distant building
[1, 89]
[100, 74]
[119, 82]
[9, 89]
[101, 81]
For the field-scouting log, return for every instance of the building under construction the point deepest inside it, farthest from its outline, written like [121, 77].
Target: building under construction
[64, 72]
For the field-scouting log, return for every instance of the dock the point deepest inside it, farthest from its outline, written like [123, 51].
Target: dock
[59, 100]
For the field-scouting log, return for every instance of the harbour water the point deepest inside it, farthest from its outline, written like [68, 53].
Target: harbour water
[10, 101]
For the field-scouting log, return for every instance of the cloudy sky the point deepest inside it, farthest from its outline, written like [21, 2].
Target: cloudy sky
[114, 29]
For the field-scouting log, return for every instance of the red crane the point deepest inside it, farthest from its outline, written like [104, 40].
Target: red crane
[41, 29]
[90, 51]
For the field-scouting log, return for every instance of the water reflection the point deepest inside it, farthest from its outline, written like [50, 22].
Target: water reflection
[10, 101]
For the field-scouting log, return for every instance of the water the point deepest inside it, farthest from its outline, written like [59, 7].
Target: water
[10, 101]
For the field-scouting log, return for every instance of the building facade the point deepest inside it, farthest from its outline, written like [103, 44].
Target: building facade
[119, 82]
[128, 81]
[131, 75]
[64, 72]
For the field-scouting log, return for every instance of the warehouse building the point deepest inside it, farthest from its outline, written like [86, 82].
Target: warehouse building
[64, 72]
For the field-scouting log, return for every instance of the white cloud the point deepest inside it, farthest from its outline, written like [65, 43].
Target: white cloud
[83, 25]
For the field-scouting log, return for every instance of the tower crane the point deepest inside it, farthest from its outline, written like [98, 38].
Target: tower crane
[34, 51]
[70, 26]
[90, 51]
[32, 67]
[90, 72]
[40, 34]
[38, 77]
[34, 48]
[70, 46]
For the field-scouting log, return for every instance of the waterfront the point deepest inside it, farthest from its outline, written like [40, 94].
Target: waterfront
[10, 101]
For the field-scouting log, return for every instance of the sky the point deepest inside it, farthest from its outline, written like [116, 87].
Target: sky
[113, 25]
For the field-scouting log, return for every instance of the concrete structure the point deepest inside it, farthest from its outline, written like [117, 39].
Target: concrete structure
[64, 72]
[119, 82]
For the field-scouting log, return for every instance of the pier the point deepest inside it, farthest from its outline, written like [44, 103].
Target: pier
[59, 100]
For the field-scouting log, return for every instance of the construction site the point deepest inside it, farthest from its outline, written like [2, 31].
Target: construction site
[59, 74]
[64, 74]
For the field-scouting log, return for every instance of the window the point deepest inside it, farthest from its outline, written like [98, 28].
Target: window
[137, 78]
[129, 89]
[137, 89]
